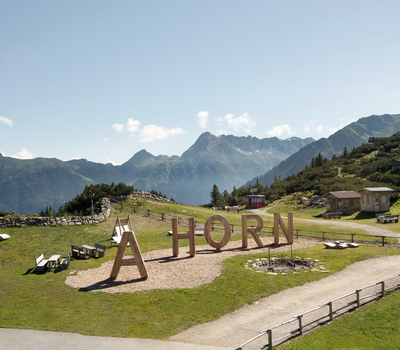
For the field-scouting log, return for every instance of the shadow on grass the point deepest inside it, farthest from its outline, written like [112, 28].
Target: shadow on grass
[109, 283]
[32, 269]
[362, 215]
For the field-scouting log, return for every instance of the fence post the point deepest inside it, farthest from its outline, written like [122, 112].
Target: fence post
[148, 212]
[162, 216]
[323, 236]
[358, 297]
[232, 227]
[134, 210]
[330, 311]
[352, 237]
[212, 227]
[269, 339]
[297, 233]
[383, 288]
[300, 325]
[383, 241]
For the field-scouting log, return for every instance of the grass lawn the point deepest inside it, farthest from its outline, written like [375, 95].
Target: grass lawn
[43, 301]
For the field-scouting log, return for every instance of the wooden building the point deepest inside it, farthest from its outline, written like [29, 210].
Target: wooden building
[255, 201]
[375, 199]
[345, 202]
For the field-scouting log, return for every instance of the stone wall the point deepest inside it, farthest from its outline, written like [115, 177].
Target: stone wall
[105, 211]
[148, 195]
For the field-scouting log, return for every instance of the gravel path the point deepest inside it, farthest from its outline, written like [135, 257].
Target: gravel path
[168, 272]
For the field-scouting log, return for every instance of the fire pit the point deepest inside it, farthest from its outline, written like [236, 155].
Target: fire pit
[284, 265]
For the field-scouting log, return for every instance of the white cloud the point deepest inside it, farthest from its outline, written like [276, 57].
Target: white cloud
[243, 122]
[220, 121]
[24, 154]
[332, 130]
[149, 133]
[111, 161]
[280, 130]
[6, 121]
[308, 127]
[320, 128]
[130, 126]
[202, 118]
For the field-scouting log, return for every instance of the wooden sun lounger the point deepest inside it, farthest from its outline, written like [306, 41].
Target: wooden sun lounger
[121, 226]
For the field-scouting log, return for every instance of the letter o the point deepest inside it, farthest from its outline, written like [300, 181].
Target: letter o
[207, 234]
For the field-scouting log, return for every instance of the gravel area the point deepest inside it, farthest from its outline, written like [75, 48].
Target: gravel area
[168, 272]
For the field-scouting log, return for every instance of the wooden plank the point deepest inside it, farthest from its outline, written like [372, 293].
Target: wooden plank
[176, 236]
[276, 227]
[288, 232]
[128, 237]
[252, 231]
[192, 238]
[207, 233]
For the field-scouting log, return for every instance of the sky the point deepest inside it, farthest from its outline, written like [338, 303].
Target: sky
[102, 80]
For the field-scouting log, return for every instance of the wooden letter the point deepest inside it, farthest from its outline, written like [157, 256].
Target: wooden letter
[177, 236]
[207, 234]
[253, 231]
[128, 237]
[278, 222]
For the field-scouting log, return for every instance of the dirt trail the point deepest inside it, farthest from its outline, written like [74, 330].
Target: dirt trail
[234, 329]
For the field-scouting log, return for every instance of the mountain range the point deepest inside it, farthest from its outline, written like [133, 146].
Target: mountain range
[27, 186]
[352, 135]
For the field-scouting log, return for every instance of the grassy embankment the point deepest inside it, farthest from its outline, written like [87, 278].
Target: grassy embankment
[44, 302]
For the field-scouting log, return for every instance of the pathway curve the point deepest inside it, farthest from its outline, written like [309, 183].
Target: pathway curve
[234, 329]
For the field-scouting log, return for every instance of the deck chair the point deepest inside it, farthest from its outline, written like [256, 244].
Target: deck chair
[121, 226]
[4, 236]
[330, 245]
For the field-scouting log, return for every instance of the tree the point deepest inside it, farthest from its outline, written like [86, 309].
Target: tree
[215, 196]
[318, 161]
[345, 152]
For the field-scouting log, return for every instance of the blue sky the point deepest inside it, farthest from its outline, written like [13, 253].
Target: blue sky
[102, 80]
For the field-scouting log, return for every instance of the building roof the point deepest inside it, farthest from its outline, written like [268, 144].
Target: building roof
[376, 189]
[345, 194]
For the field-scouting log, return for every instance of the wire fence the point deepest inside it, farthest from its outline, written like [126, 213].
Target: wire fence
[311, 319]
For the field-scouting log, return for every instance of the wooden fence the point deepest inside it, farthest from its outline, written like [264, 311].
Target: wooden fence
[268, 231]
[324, 313]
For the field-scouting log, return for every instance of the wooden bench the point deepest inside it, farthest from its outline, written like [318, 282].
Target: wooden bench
[65, 262]
[100, 249]
[385, 218]
[41, 263]
[78, 252]
[334, 215]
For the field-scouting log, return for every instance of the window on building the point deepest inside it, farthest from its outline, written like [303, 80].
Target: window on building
[364, 198]
[384, 199]
[369, 199]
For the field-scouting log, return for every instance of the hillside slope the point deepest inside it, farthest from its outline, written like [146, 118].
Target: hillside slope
[352, 135]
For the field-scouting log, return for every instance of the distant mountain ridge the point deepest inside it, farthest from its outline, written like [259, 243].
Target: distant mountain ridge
[27, 186]
[352, 135]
